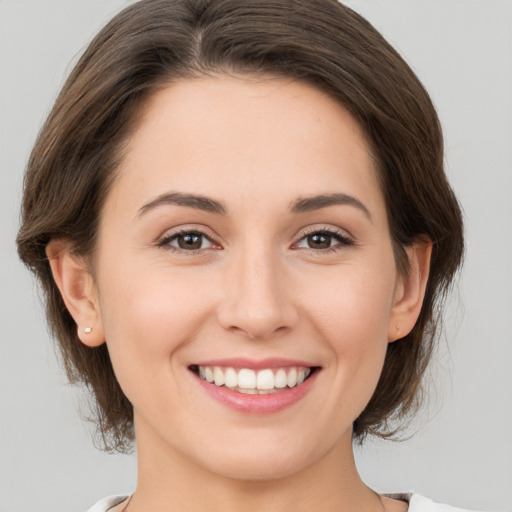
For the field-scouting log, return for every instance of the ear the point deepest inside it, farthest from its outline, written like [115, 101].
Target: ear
[77, 288]
[410, 290]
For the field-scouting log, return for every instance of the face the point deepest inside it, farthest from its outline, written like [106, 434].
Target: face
[245, 240]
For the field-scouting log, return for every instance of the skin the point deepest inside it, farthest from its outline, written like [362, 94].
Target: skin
[256, 289]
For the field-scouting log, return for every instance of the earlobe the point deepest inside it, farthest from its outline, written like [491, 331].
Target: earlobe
[410, 290]
[78, 291]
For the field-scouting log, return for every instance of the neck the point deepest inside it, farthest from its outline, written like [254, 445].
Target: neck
[169, 481]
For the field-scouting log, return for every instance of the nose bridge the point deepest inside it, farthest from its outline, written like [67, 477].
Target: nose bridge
[257, 300]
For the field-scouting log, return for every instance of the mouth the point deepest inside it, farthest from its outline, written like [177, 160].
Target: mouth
[250, 381]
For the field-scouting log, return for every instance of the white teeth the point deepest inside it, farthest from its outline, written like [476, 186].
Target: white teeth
[265, 379]
[280, 379]
[291, 378]
[248, 391]
[230, 378]
[253, 382]
[218, 376]
[247, 379]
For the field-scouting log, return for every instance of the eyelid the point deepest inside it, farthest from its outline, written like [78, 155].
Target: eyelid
[345, 238]
[169, 234]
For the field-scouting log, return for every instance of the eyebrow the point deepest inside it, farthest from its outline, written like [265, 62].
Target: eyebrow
[317, 202]
[301, 205]
[190, 200]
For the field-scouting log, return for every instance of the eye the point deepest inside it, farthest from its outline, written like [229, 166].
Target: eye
[187, 241]
[323, 240]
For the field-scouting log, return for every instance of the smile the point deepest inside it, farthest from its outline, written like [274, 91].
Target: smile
[265, 387]
[249, 381]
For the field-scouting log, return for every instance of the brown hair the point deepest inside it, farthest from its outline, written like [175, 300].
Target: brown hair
[322, 42]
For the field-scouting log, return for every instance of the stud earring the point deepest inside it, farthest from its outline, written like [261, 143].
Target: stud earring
[398, 331]
[87, 330]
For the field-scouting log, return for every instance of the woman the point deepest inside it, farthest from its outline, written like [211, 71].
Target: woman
[239, 215]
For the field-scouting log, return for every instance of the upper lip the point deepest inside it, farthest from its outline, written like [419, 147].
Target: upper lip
[254, 364]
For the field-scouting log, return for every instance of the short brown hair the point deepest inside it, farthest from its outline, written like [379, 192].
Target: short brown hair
[322, 42]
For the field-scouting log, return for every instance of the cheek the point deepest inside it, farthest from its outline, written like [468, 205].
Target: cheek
[351, 314]
[352, 303]
[147, 317]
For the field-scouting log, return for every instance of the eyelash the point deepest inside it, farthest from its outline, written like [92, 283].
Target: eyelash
[165, 242]
[343, 239]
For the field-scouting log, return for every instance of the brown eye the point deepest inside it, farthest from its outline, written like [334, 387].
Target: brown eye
[319, 241]
[188, 241]
[322, 240]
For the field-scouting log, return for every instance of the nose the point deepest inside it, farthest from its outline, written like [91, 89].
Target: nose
[257, 300]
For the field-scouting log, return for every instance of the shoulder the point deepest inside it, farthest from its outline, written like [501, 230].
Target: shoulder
[419, 503]
[107, 503]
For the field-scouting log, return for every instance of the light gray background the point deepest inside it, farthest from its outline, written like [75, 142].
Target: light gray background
[462, 454]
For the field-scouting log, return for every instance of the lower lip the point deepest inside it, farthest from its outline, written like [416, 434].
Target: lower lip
[258, 404]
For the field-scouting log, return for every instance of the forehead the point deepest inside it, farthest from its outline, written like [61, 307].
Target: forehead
[248, 138]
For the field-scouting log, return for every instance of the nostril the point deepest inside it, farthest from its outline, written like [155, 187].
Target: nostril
[258, 332]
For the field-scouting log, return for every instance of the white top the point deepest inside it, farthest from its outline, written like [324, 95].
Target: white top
[416, 502]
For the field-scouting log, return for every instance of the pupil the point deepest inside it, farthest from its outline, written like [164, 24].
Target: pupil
[319, 241]
[190, 241]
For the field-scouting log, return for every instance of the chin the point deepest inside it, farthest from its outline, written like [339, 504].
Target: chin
[256, 468]
[260, 460]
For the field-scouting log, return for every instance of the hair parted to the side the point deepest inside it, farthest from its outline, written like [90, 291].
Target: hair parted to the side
[153, 42]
